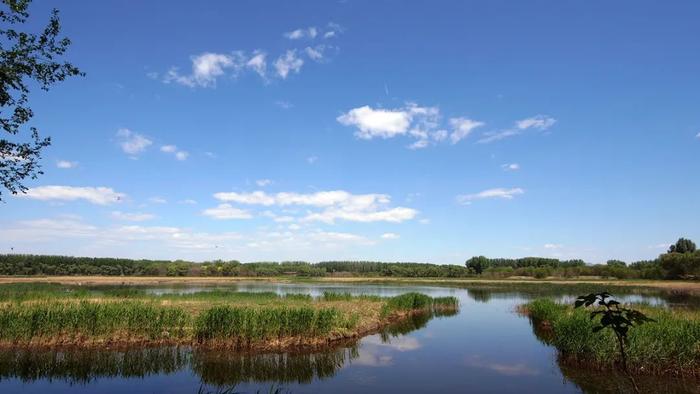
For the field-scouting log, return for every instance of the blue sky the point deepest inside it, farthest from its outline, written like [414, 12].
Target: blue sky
[382, 130]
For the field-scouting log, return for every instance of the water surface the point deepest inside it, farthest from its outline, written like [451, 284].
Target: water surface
[486, 347]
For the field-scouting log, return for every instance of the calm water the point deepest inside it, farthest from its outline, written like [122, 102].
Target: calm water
[485, 348]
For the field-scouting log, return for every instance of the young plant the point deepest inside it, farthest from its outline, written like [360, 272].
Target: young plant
[613, 316]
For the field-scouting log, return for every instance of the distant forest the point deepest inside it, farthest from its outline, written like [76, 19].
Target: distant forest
[682, 261]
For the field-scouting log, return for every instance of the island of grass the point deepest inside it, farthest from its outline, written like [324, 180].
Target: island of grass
[47, 315]
[668, 346]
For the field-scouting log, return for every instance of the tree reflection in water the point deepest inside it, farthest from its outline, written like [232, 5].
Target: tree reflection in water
[214, 368]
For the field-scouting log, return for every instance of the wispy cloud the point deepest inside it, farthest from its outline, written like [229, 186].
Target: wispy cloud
[132, 143]
[179, 154]
[390, 236]
[498, 193]
[288, 63]
[132, 217]
[538, 122]
[65, 164]
[510, 167]
[297, 34]
[94, 195]
[226, 212]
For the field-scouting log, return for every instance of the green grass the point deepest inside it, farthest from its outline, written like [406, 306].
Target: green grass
[86, 319]
[250, 324]
[51, 314]
[671, 345]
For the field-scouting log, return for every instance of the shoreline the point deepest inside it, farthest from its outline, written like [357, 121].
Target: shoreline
[670, 285]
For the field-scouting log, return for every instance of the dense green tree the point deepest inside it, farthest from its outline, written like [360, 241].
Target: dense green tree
[616, 263]
[478, 264]
[682, 246]
[26, 59]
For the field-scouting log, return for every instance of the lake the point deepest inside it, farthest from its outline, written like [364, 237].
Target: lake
[487, 347]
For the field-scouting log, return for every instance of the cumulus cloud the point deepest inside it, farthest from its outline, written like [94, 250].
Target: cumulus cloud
[419, 122]
[132, 143]
[94, 195]
[289, 62]
[226, 212]
[65, 164]
[206, 68]
[336, 204]
[510, 166]
[132, 217]
[498, 193]
[538, 122]
[372, 123]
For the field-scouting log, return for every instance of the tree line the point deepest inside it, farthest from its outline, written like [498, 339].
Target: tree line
[682, 261]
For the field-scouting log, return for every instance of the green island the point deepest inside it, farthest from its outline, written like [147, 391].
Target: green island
[52, 315]
[668, 346]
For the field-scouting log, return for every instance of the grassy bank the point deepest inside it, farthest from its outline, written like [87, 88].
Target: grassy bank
[669, 346]
[691, 287]
[50, 315]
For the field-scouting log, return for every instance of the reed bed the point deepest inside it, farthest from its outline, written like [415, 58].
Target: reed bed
[671, 345]
[49, 320]
[47, 315]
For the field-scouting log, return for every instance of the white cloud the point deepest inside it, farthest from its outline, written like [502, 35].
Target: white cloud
[226, 212]
[510, 167]
[373, 123]
[121, 237]
[309, 32]
[284, 104]
[157, 200]
[179, 154]
[95, 195]
[538, 122]
[188, 201]
[421, 123]
[258, 63]
[289, 62]
[333, 30]
[206, 68]
[500, 193]
[263, 182]
[336, 204]
[553, 246]
[132, 143]
[394, 215]
[390, 236]
[316, 53]
[132, 217]
[65, 164]
[462, 127]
